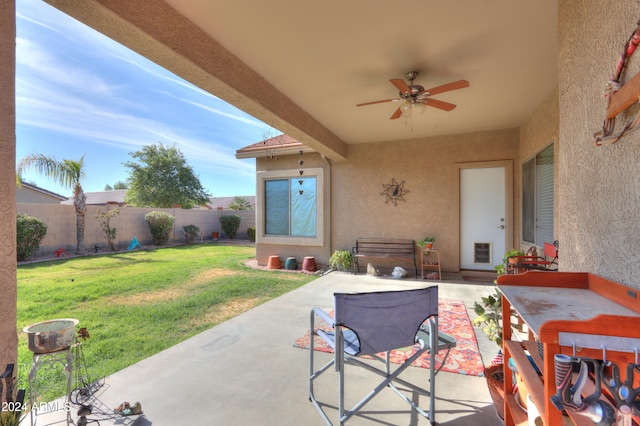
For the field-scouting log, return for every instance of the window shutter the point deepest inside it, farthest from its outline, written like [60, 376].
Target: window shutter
[529, 201]
[544, 196]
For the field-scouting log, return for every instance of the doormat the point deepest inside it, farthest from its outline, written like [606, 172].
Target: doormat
[465, 358]
[478, 279]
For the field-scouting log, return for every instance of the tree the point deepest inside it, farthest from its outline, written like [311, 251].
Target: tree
[67, 173]
[162, 179]
[116, 186]
[240, 203]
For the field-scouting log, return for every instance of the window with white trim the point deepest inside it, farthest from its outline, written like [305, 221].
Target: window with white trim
[538, 198]
[290, 207]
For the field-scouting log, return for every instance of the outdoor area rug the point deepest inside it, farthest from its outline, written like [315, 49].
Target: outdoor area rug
[465, 358]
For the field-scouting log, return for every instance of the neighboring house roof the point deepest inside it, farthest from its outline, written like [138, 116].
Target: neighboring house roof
[278, 145]
[224, 202]
[102, 198]
[29, 193]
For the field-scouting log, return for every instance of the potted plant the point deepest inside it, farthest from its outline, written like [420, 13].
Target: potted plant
[427, 242]
[490, 318]
[500, 269]
[340, 260]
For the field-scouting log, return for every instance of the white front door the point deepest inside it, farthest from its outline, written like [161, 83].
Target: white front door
[483, 218]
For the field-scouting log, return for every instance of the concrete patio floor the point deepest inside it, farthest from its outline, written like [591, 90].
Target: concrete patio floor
[246, 371]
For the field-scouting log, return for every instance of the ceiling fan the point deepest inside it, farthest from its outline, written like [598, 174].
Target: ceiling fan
[415, 94]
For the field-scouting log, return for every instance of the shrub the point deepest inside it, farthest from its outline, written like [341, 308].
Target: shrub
[251, 233]
[104, 217]
[160, 224]
[230, 225]
[191, 232]
[30, 231]
[340, 260]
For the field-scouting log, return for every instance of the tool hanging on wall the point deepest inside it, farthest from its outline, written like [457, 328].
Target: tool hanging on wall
[569, 395]
[620, 97]
[623, 392]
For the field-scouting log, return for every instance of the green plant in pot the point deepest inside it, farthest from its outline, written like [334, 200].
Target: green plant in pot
[500, 269]
[340, 260]
[490, 318]
[427, 242]
[10, 418]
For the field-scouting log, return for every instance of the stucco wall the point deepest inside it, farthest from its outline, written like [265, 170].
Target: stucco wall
[599, 188]
[8, 290]
[428, 170]
[536, 134]
[290, 162]
[27, 195]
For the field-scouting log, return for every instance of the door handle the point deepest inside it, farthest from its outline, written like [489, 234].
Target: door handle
[501, 226]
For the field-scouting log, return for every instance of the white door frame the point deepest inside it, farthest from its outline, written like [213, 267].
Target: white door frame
[508, 178]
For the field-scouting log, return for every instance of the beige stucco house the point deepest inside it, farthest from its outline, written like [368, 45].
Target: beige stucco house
[28, 193]
[537, 71]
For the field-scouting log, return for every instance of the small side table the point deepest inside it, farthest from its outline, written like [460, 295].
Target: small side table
[430, 259]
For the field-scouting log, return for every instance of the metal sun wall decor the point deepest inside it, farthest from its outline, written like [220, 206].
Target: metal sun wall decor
[394, 192]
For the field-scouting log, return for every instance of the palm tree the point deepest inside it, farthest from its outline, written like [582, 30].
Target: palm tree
[240, 203]
[67, 173]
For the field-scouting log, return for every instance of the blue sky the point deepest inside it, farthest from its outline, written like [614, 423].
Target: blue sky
[81, 93]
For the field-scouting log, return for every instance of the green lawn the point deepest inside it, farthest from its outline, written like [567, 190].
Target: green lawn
[135, 304]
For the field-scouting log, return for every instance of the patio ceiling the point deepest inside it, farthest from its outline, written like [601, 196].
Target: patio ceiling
[302, 66]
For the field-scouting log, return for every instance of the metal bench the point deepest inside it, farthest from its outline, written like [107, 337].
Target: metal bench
[384, 248]
[548, 262]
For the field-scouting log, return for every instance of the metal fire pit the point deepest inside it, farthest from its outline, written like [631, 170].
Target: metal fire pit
[51, 336]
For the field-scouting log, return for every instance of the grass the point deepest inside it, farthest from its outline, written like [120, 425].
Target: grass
[135, 304]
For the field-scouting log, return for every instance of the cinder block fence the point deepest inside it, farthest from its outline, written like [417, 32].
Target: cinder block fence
[61, 225]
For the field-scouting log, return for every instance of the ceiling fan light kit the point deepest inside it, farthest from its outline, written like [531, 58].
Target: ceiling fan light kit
[415, 95]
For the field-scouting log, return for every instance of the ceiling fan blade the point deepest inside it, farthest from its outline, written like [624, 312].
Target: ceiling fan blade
[379, 102]
[396, 114]
[446, 87]
[438, 104]
[400, 85]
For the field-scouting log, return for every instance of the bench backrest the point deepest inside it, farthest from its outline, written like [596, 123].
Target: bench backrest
[382, 246]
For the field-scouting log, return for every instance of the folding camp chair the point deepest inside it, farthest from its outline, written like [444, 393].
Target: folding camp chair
[374, 323]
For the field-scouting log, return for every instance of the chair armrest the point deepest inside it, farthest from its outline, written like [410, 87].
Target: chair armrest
[324, 316]
[445, 341]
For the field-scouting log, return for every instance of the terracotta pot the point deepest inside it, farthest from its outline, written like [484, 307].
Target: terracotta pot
[309, 264]
[495, 381]
[429, 246]
[274, 262]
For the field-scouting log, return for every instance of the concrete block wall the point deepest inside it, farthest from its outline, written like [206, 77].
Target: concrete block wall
[61, 225]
